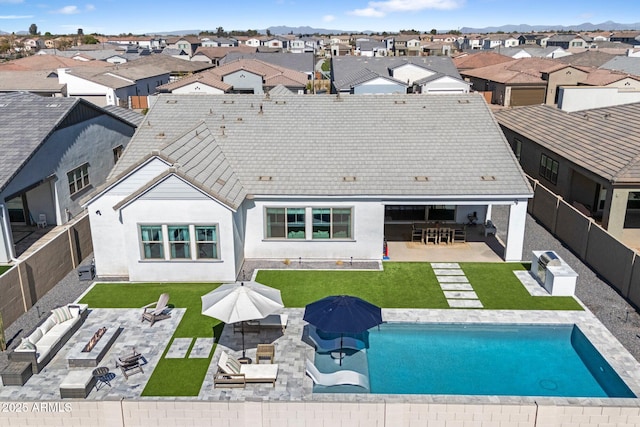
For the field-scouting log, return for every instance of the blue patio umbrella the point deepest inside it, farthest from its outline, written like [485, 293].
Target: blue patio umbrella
[343, 314]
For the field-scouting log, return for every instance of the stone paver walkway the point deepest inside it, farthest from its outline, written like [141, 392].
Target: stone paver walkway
[455, 285]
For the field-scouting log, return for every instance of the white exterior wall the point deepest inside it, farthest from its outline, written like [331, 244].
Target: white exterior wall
[446, 85]
[198, 212]
[367, 231]
[411, 73]
[585, 97]
[515, 231]
[198, 87]
[77, 86]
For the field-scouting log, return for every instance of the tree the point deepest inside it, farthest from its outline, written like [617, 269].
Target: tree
[268, 33]
[33, 29]
[220, 31]
[434, 31]
[89, 39]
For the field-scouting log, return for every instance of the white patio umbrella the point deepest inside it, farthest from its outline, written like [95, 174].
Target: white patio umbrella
[241, 301]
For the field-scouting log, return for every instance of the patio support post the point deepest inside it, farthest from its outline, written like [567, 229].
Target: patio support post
[515, 231]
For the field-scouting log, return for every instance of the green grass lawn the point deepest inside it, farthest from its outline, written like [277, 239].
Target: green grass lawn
[400, 285]
[4, 268]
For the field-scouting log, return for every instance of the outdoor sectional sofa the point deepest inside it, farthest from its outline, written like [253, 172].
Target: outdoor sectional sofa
[50, 336]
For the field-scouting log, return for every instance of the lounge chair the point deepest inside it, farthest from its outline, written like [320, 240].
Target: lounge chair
[345, 377]
[156, 310]
[231, 373]
[277, 321]
[325, 345]
[130, 365]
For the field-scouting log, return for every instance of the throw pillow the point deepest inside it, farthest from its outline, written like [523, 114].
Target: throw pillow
[26, 345]
[61, 314]
[47, 325]
[35, 336]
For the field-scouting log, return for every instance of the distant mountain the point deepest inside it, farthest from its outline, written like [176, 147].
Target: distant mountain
[306, 30]
[523, 28]
[175, 33]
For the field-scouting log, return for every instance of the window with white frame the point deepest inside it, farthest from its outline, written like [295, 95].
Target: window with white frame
[183, 242]
[207, 241]
[152, 242]
[179, 241]
[285, 223]
[78, 178]
[331, 223]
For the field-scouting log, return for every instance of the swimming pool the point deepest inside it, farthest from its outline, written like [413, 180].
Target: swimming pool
[482, 359]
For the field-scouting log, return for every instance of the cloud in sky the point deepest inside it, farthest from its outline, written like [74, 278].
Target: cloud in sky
[379, 9]
[67, 10]
[16, 16]
[11, 1]
[90, 7]
[328, 18]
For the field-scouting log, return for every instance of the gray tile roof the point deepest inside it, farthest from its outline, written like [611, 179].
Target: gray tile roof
[376, 145]
[605, 141]
[626, 64]
[588, 58]
[26, 120]
[125, 114]
[347, 69]
[32, 81]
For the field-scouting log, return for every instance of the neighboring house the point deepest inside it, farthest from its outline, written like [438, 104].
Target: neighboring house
[34, 44]
[587, 58]
[428, 74]
[573, 155]
[117, 85]
[297, 46]
[625, 64]
[470, 42]
[188, 44]
[219, 42]
[302, 62]
[210, 181]
[577, 98]
[53, 151]
[370, 48]
[241, 76]
[472, 60]
[406, 45]
[48, 63]
[496, 40]
[340, 49]
[213, 55]
[43, 83]
[568, 41]
[531, 39]
[629, 37]
[524, 81]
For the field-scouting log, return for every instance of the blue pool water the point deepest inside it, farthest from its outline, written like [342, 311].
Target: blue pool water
[492, 359]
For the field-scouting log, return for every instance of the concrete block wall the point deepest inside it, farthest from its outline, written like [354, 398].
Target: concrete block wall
[610, 258]
[199, 413]
[11, 301]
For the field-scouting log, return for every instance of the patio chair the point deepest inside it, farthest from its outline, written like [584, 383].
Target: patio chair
[325, 345]
[156, 310]
[131, 364]
[431, 235]
[344, 377]
[232, 373]
[417, 234]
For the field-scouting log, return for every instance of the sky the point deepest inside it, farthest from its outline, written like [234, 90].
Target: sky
[112, 17]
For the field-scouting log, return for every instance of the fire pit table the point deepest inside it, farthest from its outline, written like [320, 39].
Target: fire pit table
[91, 352]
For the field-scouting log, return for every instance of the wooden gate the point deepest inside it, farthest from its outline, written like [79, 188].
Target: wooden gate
[139, 102]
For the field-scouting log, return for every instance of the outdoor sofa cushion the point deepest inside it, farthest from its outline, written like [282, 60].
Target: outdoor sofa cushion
[252, 373]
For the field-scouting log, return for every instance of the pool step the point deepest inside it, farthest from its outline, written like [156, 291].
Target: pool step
[455, 285]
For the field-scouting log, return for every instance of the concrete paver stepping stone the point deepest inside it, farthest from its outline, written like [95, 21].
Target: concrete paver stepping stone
[179, 348]
[460, 295]
[448, 272]
[435, 265]
[465, 303]
[201, 349]
[452, 279]
[456, 287]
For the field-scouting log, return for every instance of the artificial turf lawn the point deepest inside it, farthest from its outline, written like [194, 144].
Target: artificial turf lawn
[4, 268]
[399, 285]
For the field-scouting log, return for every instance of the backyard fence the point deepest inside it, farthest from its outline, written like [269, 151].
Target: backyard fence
[26, 282]
[611, 259]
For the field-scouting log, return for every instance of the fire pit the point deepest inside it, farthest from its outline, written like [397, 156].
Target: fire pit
[94, 340]
[87, 354]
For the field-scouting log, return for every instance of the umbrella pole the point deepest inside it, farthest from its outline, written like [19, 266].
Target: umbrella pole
[243, 351]
[341, 356]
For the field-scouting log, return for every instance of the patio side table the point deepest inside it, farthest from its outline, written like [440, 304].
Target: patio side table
[16, 373]
[265, 351]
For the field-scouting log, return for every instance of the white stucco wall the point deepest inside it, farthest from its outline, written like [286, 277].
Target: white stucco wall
[446, 85]
[198, 87]
[410, 73]
[367, 242]
[586, 97]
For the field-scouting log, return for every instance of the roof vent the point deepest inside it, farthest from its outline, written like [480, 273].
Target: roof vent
[488, 178]
[281, 102]
[239, 119]
[400, 102]
[53, 105]
[348, 178]
[421, 178]
[463, 101]
[172, 101]
[265, 178]
[160, 135]
[228, 101]
[221, 181]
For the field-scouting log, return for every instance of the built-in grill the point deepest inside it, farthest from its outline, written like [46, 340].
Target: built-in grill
[547, 259]
[553, 273]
